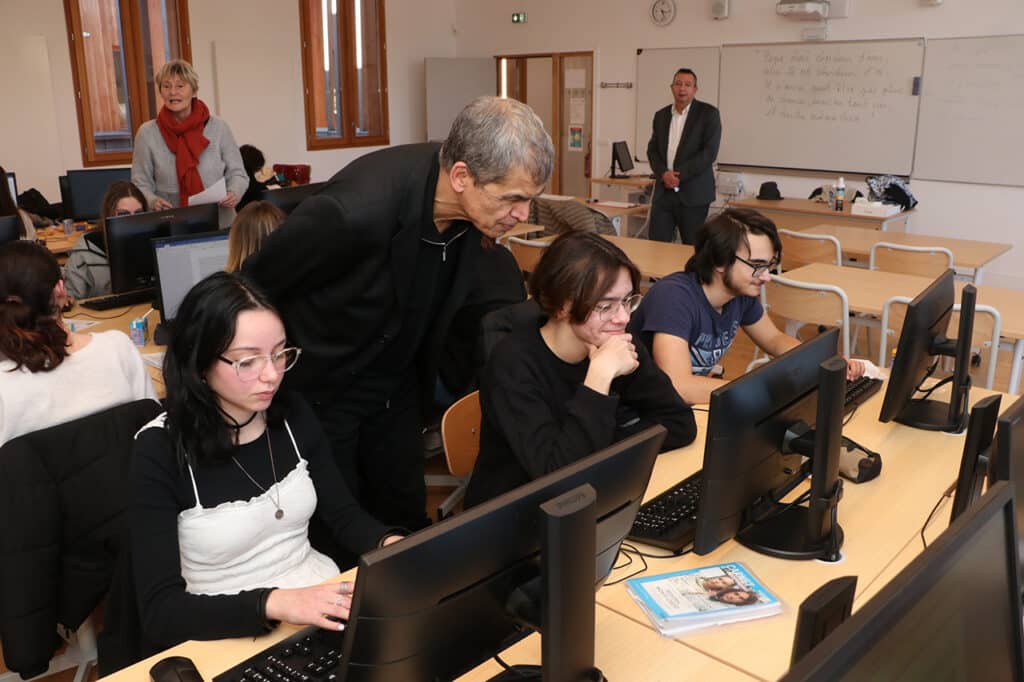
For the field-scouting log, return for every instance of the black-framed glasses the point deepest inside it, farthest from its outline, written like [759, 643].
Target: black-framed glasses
[606, 309]
[759, 266]
[251, 366]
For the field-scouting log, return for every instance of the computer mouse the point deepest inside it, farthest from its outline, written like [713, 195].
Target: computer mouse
[175, 669]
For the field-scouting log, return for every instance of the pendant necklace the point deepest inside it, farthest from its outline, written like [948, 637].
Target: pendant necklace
[279, 514]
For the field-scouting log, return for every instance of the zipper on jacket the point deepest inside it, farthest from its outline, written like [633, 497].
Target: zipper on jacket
[444, 245]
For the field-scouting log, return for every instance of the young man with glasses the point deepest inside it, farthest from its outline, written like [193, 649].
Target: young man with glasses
[689, 319]
[568, 380]
[370, 272]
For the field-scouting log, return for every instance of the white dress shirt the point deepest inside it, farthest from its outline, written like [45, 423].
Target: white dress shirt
[675, 134]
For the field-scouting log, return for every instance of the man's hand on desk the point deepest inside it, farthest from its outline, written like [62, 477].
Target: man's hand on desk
[312, 605]
[855, 369]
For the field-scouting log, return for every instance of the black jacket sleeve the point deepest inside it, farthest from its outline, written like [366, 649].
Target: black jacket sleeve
[650, 392]
[656, 150]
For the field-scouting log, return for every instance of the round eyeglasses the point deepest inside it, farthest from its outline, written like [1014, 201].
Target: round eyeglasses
[606, 309]
[250, 367]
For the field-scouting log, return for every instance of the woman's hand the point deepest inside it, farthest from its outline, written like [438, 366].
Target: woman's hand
[615, 357]
[312, 605]
[229, 201]
[161, 204]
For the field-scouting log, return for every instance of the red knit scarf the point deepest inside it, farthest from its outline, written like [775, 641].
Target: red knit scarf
[185, 140]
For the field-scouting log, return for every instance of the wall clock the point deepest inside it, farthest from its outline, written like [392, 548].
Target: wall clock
[663, 12]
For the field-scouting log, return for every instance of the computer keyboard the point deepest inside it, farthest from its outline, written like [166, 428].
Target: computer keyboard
[118, 300]
[858, 391]
[670, 519]
[310, 655]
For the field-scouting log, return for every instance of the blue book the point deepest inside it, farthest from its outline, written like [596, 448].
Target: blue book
[700, 597]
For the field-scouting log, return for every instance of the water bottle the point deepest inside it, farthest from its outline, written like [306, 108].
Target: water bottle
[840, 194]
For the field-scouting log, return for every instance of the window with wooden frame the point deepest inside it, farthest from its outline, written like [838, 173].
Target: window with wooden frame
[116, 48]
[344, 73]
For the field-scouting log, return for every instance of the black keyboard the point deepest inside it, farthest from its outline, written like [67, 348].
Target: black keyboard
[670, 519]
[310, 655]
[118, 300]
[858, 391]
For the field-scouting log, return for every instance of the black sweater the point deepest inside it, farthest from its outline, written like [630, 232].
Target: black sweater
[162, 490]
[538, 416]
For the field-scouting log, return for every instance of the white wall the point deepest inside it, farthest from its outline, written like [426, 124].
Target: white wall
[613, 29]
[247, 55]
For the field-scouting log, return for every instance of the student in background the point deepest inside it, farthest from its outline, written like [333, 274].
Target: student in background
[560, 389]
[252, 224]
[260, 177]
[87, 271]
[682, 152]
[9, 206]
[186, 149]
[689, 319]
[49, 375]
[226, 481]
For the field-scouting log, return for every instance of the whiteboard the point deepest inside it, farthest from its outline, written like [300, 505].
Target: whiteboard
[451, 84]
[972, 108]
[838, 106]
[654, 71]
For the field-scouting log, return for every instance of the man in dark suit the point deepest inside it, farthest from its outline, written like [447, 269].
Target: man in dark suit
[682, 153]
[369, 273]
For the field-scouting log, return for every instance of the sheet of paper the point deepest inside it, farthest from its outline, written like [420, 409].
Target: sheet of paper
[214, 194]
[575, 79]
[616, 204]
[79, 325]
[154, 359]
[577, 110]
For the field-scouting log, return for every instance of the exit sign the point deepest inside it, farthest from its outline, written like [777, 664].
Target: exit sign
[519, 17]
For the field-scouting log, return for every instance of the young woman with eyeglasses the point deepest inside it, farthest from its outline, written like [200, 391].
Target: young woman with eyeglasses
[87, 270]
[227, 480]
[572, 382]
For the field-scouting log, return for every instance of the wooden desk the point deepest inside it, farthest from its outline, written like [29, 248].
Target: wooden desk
[55, 239]
[798, 214]
[636, 181]
[880, 519]
[868, 290]
[655, 259]
[119, 319]
[856, 244]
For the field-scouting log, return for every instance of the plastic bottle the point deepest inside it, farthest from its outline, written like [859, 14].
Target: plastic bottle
[840, 194]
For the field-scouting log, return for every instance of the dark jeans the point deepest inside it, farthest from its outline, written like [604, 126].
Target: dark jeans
[667, 215]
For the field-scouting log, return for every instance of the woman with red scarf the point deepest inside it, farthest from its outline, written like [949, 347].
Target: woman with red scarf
[186, 149]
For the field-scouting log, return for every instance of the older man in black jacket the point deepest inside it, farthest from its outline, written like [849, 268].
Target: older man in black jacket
[682, 153]
[369, 273]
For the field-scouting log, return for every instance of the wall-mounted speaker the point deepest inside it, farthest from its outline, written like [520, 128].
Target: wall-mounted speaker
[719, 9]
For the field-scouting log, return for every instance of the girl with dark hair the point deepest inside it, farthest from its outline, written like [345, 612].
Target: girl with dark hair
[87, 271]
[49, 375]
[227, 480]
[9, 206]
[573, 382]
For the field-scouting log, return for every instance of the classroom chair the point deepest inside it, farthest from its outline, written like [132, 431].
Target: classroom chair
[926, 261]
[802, 248]
[802, 303]
[988, 325]
[64, 494]
[526, 252]
[460, 434]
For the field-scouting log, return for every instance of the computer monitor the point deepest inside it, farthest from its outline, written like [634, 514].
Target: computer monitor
[1007, 459]
[182, 261]
[128, 241]
[10, 228]
[757, 436]
[444, 600]
[975, 459]
[12, 185]
[287, 198]
[953, 613]
[923, 343]
[86, 189]
[621, 157]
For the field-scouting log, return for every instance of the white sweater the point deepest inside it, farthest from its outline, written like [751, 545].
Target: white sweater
[108, 371]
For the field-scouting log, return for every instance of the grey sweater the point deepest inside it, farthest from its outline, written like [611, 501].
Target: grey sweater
[153, 169]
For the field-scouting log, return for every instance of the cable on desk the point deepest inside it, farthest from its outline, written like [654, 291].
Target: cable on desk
[625, 553]
[96, 317]
[949, 491]
[519, 671]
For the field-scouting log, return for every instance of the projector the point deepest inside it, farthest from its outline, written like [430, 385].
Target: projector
[802, 10]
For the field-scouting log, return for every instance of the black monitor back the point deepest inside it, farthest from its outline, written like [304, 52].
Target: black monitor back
[86, 189]
[621, 156]
[747, 419]
[129, 250]
[953, 613]
[1007, 462]
[287, 198]
[10, 228]
[975, 458]
[434, 605]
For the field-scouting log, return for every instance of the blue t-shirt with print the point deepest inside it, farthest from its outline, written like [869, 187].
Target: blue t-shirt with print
[677, 305]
